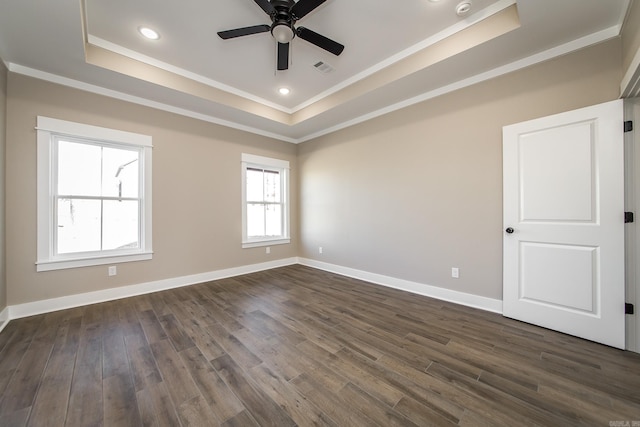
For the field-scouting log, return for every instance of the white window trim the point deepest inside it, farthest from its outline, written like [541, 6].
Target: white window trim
[249, 160]
[46, 129]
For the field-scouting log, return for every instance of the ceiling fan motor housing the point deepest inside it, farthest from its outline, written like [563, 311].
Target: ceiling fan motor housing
[282, 28]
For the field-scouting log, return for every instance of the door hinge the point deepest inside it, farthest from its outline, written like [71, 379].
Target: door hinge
[628, 308]
[628, 126]
[628, 217]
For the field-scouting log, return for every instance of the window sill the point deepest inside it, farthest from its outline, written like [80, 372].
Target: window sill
[87, 262]
[260, 243]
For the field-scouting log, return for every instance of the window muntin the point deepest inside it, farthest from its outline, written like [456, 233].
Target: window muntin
[94, 195]
[265, 208]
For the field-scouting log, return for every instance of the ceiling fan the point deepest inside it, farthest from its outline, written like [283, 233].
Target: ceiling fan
[284, 14]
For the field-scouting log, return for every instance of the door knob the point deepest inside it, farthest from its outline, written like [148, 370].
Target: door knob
[509, 230]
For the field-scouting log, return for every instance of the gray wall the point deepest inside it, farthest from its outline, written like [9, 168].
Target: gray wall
[196, 191]
[416, 192]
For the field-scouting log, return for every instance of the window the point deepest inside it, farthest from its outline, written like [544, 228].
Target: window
[94, 195]
[265, 207]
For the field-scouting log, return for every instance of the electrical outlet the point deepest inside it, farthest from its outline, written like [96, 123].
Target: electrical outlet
[268, 250]
[113, 270]
[455, 272]
[319, 249]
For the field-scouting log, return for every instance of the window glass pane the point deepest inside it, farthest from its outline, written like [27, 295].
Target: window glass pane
[78, 169]
[120, 172]
[78, 228]
[271, 186]
[273, 220]
[255, 220]
[120, 224]
[255, 185]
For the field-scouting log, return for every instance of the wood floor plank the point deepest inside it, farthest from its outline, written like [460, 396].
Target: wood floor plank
[271, 350]
[120, 405]
[196, 412]
[258, 403]
[299, 408]
[16, 419]
[300, 346]
[50, 405]
[233, 346]
[443, 397]
[151, 326]
[434, 395]
[206, 342]
[216, 308]
[215, 391]
[405, 384]
[175, 332]
[22, 388]
[337, 409]
[512, 406]
[156, 399]
[85, 397]
[421, 414]
[243, 419]
[306, 327]
[381, 413]
[146, 409]
[258, 317]
[143, 365]
[355, 373]
[175, 375]
[10, 357]
[556, 409]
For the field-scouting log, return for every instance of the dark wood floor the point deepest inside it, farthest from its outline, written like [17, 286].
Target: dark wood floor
[298, 346]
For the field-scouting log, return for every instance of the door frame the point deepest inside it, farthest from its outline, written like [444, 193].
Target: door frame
[632, 231]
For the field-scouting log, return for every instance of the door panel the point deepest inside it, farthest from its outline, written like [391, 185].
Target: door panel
[564, 200]
[557, 173]
[547, 268]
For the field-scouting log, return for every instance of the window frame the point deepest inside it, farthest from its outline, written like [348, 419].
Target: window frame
[48, 131]
[250, 161]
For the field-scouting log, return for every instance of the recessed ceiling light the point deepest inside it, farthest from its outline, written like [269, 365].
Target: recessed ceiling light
[284, 91]
[463, 8]
[434, 1]
[149, 33]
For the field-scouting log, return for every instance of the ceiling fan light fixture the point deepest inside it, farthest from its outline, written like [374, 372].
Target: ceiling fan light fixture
[282, 32]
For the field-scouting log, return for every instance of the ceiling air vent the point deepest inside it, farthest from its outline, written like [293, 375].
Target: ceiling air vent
[323, 67]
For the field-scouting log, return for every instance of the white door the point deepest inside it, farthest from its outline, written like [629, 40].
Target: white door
[564, 223]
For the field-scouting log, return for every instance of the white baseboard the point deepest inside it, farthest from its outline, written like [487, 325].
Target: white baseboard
[469, 300]
[71, 301]
[4, 318]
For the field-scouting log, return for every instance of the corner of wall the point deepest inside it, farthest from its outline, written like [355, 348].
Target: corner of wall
[3, 134]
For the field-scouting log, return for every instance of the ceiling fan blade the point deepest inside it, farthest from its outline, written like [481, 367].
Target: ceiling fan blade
[303, 7]
[266, 6]
[245, 31]
[283, 56]
[320, 40]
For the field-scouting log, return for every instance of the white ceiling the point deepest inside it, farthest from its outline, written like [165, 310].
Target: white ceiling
[94, 45]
